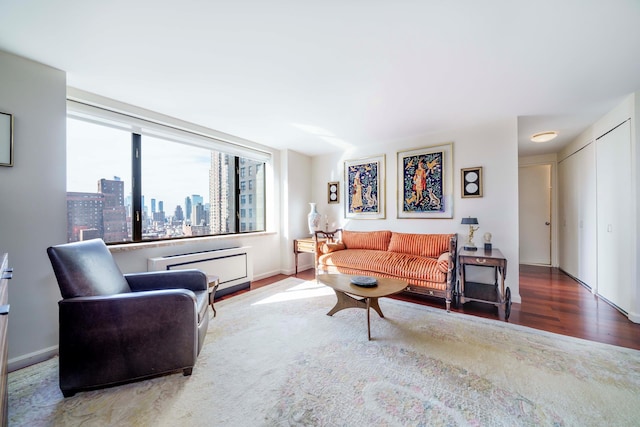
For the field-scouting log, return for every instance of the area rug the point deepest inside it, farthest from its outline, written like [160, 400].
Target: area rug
[272, 357]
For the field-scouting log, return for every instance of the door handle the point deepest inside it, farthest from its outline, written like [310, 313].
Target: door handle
[547, 223]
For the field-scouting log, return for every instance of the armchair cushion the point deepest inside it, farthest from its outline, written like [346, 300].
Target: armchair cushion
[86, 269]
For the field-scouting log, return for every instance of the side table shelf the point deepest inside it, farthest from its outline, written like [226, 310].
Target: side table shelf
[304, 245]
[495, 293]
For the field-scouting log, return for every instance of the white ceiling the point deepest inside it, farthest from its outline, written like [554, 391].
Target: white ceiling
[319, 76]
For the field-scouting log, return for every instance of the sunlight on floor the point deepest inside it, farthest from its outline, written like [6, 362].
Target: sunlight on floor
[304, 290]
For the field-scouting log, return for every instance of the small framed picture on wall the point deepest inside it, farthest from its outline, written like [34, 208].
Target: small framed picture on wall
[471, 182]
[333, 192]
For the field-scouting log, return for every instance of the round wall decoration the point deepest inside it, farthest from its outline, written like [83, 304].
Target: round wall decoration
[472, 182]
[333, 193]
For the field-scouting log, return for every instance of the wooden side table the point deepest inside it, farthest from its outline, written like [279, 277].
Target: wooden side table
[304, 245]
[483, 292]
[214, 282]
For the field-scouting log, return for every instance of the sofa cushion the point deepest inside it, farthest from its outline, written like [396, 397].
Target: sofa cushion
[409, 267]
[426, 245]
[376, 240]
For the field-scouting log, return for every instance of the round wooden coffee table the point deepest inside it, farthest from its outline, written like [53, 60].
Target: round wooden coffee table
[344, 289]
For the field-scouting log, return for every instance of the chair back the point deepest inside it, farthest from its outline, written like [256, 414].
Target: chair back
[86, 268]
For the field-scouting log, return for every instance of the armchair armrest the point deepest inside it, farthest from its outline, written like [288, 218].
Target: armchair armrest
[194, 280]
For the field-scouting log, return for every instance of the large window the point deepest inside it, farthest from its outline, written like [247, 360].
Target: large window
[124, 186]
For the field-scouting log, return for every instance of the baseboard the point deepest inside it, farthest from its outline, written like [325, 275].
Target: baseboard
[31, 358]
[268, 274]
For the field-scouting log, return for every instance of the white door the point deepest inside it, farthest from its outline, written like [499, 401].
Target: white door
[534, 193]
[613, 165]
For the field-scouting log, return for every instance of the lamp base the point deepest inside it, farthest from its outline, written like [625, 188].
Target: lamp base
[469, 248]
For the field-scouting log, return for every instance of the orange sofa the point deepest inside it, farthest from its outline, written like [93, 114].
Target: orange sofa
[425, 261]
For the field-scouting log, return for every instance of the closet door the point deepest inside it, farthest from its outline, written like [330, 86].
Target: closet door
[613, 165]
[568, 215]
[586, 225]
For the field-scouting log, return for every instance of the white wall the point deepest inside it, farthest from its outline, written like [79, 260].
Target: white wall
[296, 196]
[491, 145]
[33, 208]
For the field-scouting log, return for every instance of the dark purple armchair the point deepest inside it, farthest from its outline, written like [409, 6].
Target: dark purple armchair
[116, 328]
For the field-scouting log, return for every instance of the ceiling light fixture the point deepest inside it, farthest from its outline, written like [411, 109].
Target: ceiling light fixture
[544, 136]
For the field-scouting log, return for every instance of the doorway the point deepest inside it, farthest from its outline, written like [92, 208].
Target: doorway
[534, 194]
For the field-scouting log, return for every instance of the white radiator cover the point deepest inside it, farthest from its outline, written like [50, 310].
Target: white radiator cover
[233, 266]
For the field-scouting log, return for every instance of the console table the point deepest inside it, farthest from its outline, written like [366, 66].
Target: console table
[483, 292]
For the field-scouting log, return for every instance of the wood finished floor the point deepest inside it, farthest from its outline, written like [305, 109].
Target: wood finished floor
[551, 301]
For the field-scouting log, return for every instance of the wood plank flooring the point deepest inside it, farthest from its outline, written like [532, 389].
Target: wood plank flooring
[551, 301]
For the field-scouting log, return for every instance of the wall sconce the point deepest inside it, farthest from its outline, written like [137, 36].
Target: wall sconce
[470, 246]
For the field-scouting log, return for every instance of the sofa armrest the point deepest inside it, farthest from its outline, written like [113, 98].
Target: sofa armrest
[332, 242]
[327, 248]
[445, 262]
[194, 280]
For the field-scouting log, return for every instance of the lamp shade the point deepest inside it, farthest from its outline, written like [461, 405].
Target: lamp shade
[469, 220]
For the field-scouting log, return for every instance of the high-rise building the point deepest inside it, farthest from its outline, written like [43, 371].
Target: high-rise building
[153, 206]
[187, 208]
[178, 214]
[160, 206]
[251, 200]
[221, 184]
[114, 211]
[199, 215]
[84, 212]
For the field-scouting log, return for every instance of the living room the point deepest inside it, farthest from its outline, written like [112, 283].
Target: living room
[35, 91]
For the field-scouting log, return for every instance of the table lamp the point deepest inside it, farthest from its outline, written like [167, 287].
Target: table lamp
[470, 246]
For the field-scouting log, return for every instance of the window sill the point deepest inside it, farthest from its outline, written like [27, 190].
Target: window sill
[126, 247]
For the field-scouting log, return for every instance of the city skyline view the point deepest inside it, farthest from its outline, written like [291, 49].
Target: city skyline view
[109, 156]
[178, 183]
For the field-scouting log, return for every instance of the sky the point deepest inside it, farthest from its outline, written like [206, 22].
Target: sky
[171, 171]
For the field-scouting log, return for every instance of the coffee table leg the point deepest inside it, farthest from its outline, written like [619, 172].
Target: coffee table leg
[368, 319]
[345, 301]
[376, 306]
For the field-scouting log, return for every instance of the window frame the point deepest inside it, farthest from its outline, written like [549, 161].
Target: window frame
[240, 150]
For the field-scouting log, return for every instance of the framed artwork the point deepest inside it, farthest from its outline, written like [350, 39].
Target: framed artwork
[333, 192]
[6, 139]
[364, 188]
[425, 182]
[471, 179]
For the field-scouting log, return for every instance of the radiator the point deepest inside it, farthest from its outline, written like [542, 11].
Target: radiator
[233, 266]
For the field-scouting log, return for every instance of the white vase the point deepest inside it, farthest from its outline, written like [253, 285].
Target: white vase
[313, 219]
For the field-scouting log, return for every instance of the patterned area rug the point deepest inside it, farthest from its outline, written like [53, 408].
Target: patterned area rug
[272, 357]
